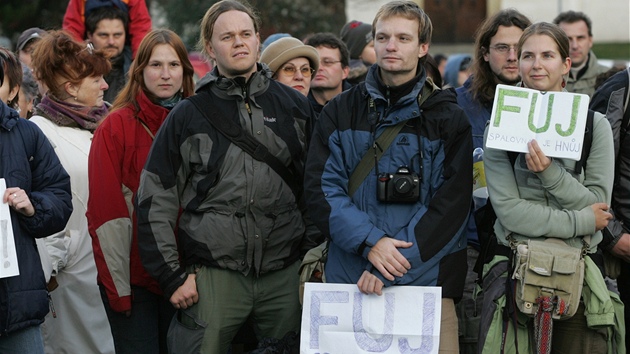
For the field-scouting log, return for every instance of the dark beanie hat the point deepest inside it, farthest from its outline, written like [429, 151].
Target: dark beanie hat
[356, 35]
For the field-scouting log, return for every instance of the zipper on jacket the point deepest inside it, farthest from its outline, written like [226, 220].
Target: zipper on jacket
[51, 306]
[245, 90]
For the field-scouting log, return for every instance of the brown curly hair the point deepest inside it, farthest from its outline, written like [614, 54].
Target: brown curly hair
[58, 58]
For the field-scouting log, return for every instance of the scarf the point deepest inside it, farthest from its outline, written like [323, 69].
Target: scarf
[169, 103]
[71, 115]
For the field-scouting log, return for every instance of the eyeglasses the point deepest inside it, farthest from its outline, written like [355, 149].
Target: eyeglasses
[290, 70]
[328, 62]
[503, 48]
[89, 48]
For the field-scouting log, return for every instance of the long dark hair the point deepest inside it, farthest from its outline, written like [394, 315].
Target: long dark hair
[484, 80]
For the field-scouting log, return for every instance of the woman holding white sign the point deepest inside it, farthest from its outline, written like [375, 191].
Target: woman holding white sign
[549, 216]
[35, 202]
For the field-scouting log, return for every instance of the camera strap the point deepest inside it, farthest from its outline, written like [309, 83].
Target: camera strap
[382, 143]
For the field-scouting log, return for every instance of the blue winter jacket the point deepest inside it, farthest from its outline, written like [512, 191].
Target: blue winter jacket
[478, 115]
[435, 224]
[28, 161]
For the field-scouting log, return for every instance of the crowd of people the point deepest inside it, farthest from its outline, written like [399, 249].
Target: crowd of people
[154, 215]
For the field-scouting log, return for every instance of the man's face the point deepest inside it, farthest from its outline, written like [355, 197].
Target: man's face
[504, 64]
[331, 73]
[398, 49]
[109, 36]
[579, 40]
[234, 44]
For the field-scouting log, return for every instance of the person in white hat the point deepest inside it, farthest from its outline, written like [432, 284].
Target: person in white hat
[292, 62]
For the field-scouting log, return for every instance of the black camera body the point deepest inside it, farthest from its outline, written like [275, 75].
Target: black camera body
[400, 187]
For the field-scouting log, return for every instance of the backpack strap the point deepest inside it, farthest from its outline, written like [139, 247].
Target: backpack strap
[588, 141]
[203, 101]
[382, 144]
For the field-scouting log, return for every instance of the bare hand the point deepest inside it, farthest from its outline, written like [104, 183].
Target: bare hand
[622, 248]
[536, 160]
[387, 259]
[18, 200]
[370, 284]
[186, 295]
[601, 215]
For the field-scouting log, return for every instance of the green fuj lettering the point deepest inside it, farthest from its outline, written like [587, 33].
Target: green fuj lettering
[574, 114]
[501, 107]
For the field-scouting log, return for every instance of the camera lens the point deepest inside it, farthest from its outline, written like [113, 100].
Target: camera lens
[403, 185]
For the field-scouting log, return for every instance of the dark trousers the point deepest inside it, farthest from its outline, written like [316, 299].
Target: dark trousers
[623, 284]
[145, 330]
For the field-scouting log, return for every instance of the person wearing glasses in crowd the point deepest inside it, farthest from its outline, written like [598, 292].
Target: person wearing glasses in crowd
[68, 114]
[330, 78]
[39, 202]
[291, 62]
[494, 62]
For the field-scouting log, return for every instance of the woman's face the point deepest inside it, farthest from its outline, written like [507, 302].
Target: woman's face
[90, 92]
[541, 65]
[164, 74]
[7, 93]
[297, 74]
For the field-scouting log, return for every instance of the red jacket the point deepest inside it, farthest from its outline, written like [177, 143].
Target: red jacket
[139, 21]
[119, 150]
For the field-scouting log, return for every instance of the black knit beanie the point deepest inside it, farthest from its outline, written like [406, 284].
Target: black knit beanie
[356, 35]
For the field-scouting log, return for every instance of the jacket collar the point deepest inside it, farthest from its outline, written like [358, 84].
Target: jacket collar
[151, 114]
[373, 85]
[230, 88]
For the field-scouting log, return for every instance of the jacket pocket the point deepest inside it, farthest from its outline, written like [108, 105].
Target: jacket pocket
[185, 333]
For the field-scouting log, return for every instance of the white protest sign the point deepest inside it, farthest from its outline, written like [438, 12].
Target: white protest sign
[555, 119]
[8, 255]
[339, 319]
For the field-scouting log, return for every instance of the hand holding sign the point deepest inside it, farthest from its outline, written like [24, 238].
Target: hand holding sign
[556, 120]
[536, 160]
[8, 255]
[337, 318]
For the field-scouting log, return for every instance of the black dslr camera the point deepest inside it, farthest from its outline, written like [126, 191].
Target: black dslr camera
[400, 187]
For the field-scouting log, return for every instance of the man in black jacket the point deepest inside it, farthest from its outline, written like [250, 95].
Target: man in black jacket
[613, 99]
[240, 227]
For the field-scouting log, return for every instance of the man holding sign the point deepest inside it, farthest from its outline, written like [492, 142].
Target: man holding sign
[537, 197]
[402, 222]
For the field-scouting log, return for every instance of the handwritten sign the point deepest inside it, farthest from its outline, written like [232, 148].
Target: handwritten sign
[8, 255]
[555, 119]
[339, 319]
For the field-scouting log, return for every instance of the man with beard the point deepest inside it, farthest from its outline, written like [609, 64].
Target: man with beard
[495, 62]
[107, 29]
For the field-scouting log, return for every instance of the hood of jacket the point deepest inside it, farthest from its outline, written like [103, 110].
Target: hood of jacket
[8, 116]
